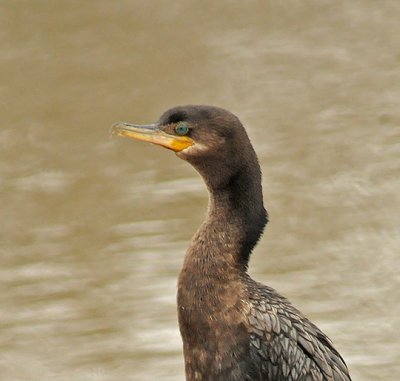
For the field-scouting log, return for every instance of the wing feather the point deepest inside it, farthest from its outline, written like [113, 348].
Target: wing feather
[287, 345]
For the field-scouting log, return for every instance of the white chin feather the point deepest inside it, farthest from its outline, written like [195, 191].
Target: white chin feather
[193, 150]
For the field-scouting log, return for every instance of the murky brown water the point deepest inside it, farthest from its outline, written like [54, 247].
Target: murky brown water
[94, 228]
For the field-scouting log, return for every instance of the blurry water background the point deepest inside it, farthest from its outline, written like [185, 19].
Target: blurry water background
[94, 228]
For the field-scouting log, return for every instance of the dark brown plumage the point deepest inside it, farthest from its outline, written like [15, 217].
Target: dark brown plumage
[233, 328]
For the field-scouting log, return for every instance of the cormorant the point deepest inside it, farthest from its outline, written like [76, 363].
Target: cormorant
[233, 328]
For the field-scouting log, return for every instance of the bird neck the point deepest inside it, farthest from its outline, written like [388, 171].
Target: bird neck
[235, 221]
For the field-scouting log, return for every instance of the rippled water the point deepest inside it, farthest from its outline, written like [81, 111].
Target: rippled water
[94, 228]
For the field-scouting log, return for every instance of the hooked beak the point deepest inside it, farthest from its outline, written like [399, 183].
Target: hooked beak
[153, 134]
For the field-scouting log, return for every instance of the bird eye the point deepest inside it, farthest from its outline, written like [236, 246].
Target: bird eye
[181, 129]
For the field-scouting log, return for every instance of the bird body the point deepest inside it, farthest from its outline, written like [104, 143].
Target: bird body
[233, 328]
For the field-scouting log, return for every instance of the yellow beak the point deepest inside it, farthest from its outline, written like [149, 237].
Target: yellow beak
[153, 134]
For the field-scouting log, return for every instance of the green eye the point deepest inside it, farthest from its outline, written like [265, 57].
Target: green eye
[181, 129]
